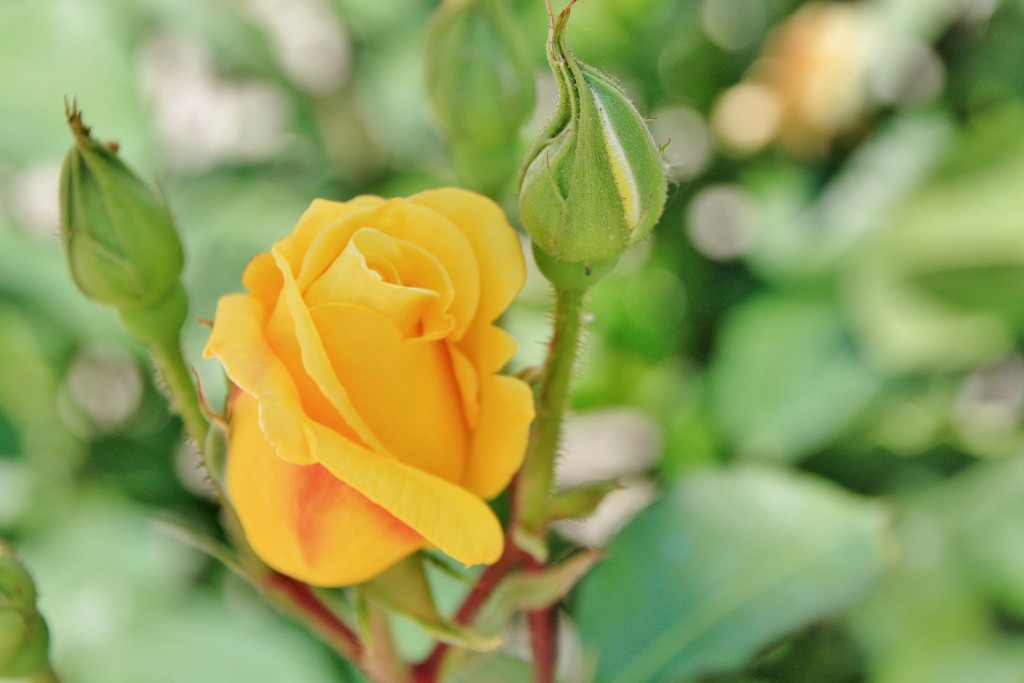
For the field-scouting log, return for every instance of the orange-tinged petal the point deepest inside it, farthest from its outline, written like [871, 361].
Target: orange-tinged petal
[371, 422]
[303, 521]
[498, 250]
[404, 391]
[448, 516]
[499, 443]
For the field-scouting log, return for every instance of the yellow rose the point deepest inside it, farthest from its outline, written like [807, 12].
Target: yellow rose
[370, 422]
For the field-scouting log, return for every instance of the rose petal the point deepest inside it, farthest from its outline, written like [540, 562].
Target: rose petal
[316, 361]
[395, 277]
[314, 220]
[302, 520]
[454, 520]
[498, 251]
[237, 342]
[409, 222]
[263, 280]
[404, 391]
[499, 443]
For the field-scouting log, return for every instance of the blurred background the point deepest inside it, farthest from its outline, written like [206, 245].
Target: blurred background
[813, 368]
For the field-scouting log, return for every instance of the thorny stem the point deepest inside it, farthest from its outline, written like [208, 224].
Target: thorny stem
[380, 661]
[294, 598]
[536, 480]
[298, 601]
[184, 398]
[427, 670]
[543, 642]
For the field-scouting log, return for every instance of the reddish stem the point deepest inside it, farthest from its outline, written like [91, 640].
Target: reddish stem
[543, 641]
[427, 670]
[295, 596]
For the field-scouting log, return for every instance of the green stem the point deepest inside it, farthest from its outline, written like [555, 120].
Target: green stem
[537, 476]
[184, 398]
[536, 480]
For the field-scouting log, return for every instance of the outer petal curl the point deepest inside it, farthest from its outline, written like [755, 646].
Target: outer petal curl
[302, 520]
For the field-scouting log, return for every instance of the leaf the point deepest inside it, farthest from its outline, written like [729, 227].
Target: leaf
[784, 380]
[726, 563]
[145, 616]
[994, 288]
[941, 616]
[937, 288]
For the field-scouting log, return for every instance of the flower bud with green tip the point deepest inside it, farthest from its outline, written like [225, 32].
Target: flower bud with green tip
[24, 638]
[119, 238]
[593, 185]
[480, 84]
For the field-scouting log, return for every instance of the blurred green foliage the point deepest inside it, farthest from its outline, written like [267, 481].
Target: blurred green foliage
[823, 333]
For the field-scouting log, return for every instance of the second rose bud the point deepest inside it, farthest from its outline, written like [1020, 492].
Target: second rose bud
[593, 185]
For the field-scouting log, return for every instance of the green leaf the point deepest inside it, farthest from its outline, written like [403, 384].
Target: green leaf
[726, 563]
[785, 381]
[940, 617]
[126, 604]
[995, 288]
[938, 288]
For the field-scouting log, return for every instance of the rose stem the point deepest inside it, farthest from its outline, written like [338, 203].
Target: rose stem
[298, 601]
[427, 670]
[537, 477]
[532, 491]
[536, 480]
[294, 598]
[542, 637]
[380, 661]
[184, 398]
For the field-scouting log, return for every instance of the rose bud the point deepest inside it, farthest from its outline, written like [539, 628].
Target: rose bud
[593, 184]
[479, 81]
[24, 638]
[119, 238]
[370, 421]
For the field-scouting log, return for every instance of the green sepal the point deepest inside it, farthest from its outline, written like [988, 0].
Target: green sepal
[215, 455]
[405, 590]
[157, 324]
[533, 590]
[534, 543]
[572, 277]
[579, 502]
